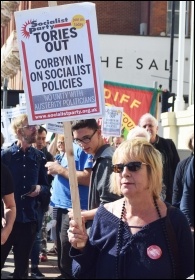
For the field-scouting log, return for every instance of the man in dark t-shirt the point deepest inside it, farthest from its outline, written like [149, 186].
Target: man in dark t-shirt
[7, 186]
[87, 134]
[8, 206]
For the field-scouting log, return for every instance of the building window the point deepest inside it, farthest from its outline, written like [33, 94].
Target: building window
[176, 25]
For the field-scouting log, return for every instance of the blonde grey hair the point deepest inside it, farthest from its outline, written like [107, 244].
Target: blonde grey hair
[138, 131]
[18, 123]
[139, 149]
[148, 116]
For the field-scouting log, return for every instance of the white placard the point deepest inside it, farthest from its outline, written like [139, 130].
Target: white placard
[22, 99]
[112, 121]
[7, 116]
[60, 61]
[4, 126]
[55, 127]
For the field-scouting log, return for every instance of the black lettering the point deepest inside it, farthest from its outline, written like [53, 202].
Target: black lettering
[141, 65]
[50, 62]
[36, 66]
[107, 61]
[65, 44]
[45, 36]
[73, 33]
[49, 47]
[166, 68]
[65, 33]
[118, 62]
[153, 64]
[53, 34]
[47, 75]
[33, 23]
[37, 36]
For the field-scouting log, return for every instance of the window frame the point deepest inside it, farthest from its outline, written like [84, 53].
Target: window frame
[177, 11]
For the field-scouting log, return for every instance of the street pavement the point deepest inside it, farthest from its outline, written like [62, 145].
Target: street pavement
[49, 268]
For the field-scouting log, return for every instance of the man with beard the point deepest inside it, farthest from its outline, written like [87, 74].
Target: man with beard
[27, 166]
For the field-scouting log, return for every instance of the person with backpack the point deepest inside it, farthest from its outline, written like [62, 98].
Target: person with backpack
[27, 166]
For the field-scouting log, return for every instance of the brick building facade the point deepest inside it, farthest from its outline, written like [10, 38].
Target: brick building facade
[125, 18]
[113, 18]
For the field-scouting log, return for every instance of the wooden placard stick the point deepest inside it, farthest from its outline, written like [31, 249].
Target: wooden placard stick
[71, 167]
[72, 176]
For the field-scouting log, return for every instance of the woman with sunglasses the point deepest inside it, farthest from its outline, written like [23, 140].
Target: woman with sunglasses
[138, 236]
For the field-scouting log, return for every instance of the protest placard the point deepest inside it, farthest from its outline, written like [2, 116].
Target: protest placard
[4, 126]
[7, 115]
[55, 127]
[22, 99]
[112, 121]
[60, 62]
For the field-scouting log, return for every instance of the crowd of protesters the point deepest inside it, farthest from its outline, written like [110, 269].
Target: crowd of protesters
[136, 198]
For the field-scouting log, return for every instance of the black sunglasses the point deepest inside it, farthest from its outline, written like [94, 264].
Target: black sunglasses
[132, 166]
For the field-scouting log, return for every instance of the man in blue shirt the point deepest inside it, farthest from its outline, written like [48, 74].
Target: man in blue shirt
[61, 197]
[27, 166]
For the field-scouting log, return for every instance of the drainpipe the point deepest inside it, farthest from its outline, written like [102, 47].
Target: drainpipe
[148, 19]
[191, 80]
[179, 101]
[171, 46]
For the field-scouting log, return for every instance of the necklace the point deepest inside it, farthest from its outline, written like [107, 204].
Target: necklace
[119, 238]
[135, 226]
[122, 217]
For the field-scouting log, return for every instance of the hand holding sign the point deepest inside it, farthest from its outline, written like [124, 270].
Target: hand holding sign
[61, 86]
[73, 178]
[62, 79]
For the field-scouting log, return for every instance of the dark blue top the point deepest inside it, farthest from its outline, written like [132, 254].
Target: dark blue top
[170, 159]
[7, 185]
[98, 259]
[178, 182]
[27, 168]
[187, 200]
